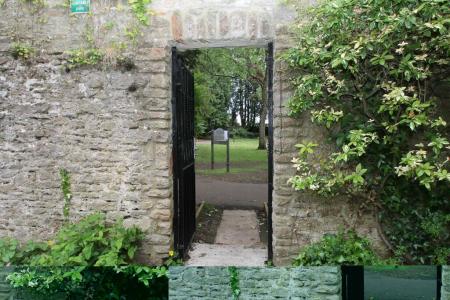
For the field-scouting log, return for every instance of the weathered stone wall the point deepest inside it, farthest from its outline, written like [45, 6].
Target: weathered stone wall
[256, 283]
[445, 289]
[5, 288]
[111, 127]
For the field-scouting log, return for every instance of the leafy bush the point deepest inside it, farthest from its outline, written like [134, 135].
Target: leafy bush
[91, 242]
[368, 71]
[84, 57]
[12, 253]
[343, 248]
[21, 50]
[240, 132]
[126, 282]
[90, 259]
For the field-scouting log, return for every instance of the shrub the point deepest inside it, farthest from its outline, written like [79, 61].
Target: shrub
[91, 242]
[343, 248]
[84, 57]
[368, 71]
[126, 282]
[12, 253]
[240, 132]
[21, 50]
[89, 259]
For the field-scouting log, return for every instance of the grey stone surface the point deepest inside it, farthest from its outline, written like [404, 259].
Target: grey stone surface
[237, 243]
[112, 140]
[111, 128]
[256, 283]
[232, 194]
[238, 227]
[6, 292]
[445, 289]
[216, 255]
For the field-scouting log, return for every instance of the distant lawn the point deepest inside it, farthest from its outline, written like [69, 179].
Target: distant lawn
[233, 170]
[240, 150]
[244, 157]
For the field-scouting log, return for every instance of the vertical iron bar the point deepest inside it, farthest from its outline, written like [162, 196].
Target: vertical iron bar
[183, 154]
[438, 282]
[174, 152]
[228, 155]
[269, 70]
[212, 149]
[352, 282]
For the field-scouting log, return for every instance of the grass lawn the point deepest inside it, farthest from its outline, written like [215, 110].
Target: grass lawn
[244, 157]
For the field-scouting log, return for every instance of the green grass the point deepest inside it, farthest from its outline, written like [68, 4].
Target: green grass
[233, 170]
[241, 151]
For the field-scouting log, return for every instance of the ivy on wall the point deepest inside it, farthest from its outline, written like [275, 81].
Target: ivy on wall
[67, 194]
[139, 8]
[234, 282]
[367, 71]
[96, 50]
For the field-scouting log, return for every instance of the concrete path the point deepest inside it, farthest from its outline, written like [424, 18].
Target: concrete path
[238, 227]
[237, 243]
[230, 194]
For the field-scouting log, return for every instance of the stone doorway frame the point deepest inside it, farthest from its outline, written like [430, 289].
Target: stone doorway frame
[269, 46]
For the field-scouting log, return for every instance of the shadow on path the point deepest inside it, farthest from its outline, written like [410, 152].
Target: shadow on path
[230, 194]
[237, 243]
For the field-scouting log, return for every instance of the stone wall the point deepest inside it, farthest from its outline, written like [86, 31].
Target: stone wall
[110, 127]
[322, 283]
[445, 289]
[5, 288]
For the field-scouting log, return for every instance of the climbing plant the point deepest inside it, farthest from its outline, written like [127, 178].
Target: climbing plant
[369, 72]
[234, 282]
[22, 51]
[67, 194]
[97, 49]
[84, 57]
[140, 10]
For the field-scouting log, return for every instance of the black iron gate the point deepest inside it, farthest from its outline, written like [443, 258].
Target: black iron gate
[269, 70]
[183, 153]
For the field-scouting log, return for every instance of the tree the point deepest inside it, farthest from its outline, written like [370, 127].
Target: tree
[241, 72]
[368, 71]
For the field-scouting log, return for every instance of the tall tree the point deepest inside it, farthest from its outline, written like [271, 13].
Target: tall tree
[243, 70]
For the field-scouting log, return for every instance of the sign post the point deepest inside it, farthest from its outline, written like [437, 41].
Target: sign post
[220, 136]
[80, 6]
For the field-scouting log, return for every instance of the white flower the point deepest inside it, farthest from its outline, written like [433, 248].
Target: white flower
[314, 186]
[399, 50]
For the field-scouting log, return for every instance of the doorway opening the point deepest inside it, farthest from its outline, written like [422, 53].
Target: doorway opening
[223, 155]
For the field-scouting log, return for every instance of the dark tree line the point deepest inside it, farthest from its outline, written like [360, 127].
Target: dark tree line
[230, 90]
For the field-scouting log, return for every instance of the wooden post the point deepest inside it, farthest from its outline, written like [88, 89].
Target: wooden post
[212, 150]
[228, 155]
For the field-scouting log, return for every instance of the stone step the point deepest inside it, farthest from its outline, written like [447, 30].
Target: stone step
[238, 227]
[227, 255]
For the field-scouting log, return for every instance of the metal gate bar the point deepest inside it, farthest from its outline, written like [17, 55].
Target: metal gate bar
[269, 70]
[183, 153]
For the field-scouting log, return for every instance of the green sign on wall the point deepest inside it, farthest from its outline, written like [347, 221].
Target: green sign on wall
[80, 6]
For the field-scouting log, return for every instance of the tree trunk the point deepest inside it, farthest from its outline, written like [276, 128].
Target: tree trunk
[262, 117]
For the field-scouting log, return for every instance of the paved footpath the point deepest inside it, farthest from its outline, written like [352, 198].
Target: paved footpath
[230, 194]
[237, 243]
